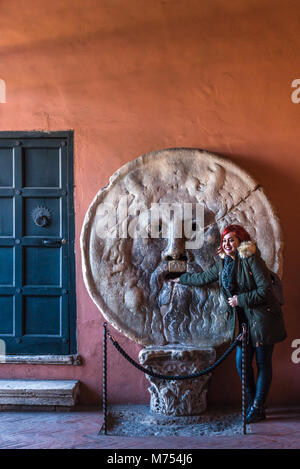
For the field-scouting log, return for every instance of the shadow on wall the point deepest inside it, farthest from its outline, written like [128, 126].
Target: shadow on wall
[89, 396]
[282, 190]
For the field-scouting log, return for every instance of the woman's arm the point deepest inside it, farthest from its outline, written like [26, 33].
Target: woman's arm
[262, 280]
[203, 278]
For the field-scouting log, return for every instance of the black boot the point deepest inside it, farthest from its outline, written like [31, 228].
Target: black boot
[249, 400]
[256, 413]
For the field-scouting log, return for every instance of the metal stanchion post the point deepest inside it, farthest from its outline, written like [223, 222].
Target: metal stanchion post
[104, 385]
[244, 340]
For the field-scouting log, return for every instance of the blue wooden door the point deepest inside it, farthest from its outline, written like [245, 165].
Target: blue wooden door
[37, 294]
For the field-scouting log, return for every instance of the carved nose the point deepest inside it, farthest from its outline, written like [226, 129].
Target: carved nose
[175, 251]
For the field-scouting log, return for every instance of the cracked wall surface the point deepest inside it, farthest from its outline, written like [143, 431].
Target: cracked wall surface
[126, 277]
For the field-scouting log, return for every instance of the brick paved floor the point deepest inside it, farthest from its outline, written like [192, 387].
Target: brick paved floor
[79, 429]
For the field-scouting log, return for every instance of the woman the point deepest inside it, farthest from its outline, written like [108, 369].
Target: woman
[245, 282]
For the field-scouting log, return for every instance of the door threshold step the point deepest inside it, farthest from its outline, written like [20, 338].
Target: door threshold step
[38, 394]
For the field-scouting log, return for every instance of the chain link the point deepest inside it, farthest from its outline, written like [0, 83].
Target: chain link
[176, 377]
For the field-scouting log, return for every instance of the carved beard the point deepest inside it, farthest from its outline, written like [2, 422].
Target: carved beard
[165, 312]
[178, 311]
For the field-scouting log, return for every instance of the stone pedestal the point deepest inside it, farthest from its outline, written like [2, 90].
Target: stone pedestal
[177, 397]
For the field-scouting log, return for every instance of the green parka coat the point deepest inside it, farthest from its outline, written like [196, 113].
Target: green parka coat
[254, 293]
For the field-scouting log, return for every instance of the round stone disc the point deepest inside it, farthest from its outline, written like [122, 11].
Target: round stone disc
[127, 255]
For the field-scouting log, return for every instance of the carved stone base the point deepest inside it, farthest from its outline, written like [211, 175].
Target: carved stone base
[177, 397]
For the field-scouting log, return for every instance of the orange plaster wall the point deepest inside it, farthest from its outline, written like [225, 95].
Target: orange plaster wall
[135, 76]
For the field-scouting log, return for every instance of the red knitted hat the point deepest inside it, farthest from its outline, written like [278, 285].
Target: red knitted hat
[239, 232]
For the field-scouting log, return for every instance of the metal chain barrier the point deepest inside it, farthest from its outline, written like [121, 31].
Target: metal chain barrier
[240, 338]
[176, 377]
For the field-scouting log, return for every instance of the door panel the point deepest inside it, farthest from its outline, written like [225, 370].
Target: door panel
[7, 261]
[48, 162]
[6, 167]
[37, 284]
[42, 266]
[6, 216]
[42, 315]
[6, 315]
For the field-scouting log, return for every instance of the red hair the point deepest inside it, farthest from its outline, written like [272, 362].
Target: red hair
[239, 232]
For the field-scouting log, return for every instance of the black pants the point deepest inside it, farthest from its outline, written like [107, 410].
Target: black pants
[263, 356]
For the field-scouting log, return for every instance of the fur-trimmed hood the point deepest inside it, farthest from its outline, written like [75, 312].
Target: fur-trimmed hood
[245, 249]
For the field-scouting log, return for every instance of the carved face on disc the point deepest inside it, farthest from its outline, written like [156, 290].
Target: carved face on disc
[132, 243]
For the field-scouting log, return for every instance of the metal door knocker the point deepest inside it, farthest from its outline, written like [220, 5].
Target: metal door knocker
[41, 216]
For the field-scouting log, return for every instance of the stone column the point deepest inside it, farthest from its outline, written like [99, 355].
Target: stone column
[177, 397]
